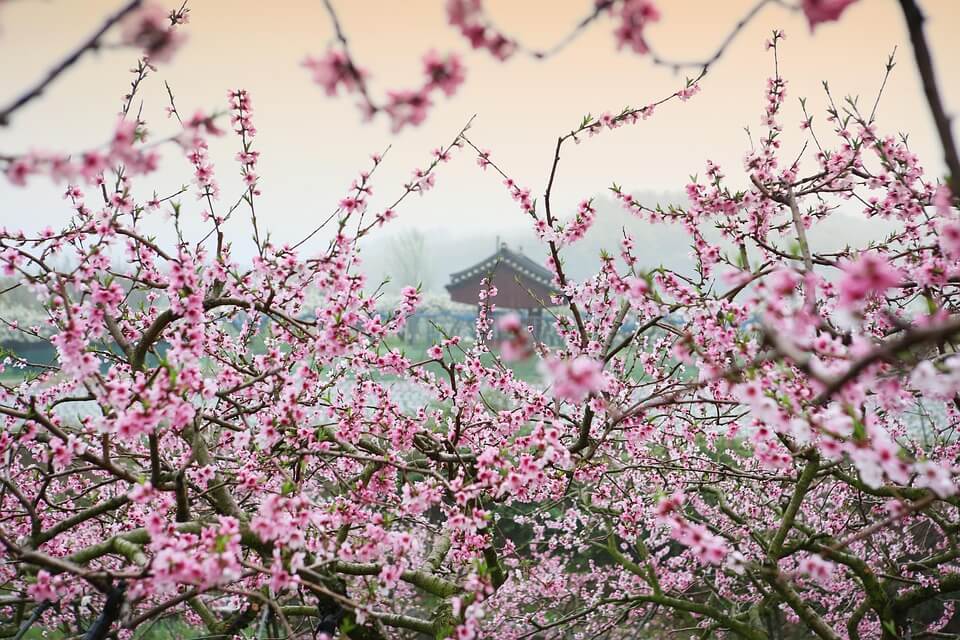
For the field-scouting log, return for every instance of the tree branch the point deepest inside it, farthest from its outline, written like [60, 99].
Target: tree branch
[93, 42]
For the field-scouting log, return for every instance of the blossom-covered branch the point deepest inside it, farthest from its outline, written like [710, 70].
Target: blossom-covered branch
[145, 30]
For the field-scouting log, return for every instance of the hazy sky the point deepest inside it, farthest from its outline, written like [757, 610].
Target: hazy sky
[312, 146]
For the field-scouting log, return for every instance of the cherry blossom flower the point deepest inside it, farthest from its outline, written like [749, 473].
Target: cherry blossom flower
[407, 107]
[517, 344]
[942, 200]
[635, 15]
[334, 70]
[870, 274]
[818, 569]
[818, 11]
[936, 478]
[150, 29]
[950, 240]
[444, 73]
[44, 589]
[572, 380]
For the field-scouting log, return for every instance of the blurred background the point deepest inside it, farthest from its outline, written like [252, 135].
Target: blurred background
[312, 146]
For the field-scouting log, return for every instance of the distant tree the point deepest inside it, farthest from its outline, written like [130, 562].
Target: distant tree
[408, 261]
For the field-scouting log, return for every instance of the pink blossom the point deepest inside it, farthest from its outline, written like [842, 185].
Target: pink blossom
[407, 107]
[637, 289]
[943, 200]
[349, 204]
[63, 452]
[572, 380]
[516, 343]
[44, 589]
[817, 568]
[688, 92]
[150, 29]
[18, 171]
[280, 579]
[935, 477]
[468, 16]
[334, 70]
[669, 506]
[870, 274]
[390, 575]
[784, 282]
[950, 240]
[446, 74]
[635, 15]
[818, 11]
[142, 493]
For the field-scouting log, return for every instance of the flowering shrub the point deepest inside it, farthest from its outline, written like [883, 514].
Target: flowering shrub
[770, 446]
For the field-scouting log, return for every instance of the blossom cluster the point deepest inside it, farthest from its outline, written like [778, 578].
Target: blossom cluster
[404, 107]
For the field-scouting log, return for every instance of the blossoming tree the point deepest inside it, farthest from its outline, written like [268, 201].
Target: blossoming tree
[760, 447]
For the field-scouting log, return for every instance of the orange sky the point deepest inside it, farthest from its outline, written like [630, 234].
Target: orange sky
[313, 146]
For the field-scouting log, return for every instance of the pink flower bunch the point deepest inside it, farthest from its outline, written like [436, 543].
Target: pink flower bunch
[817, 568]
[152, 29]
[121, 150]
[468, 16]
[45, 588]
[577, 228]
[706, 546]
[334, 70]
[208, 559]
[943, 200]
[634, 16]
[242, 120]
[406, 106]
[520, 195]
[410, 107]
[195, 147]
[937, 477]
[63, 452]
[869, 274]
[517, 343]
[445, 73]
[574, 379]
[818, 11]
[688, 92]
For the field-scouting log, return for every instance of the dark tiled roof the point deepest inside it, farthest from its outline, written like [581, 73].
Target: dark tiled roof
[515, 261]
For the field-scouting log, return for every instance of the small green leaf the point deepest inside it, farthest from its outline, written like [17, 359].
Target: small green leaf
[347, 625]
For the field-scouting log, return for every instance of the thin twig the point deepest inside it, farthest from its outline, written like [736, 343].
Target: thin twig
[93, 42]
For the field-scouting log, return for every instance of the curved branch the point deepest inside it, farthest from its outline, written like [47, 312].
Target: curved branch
[93, 42]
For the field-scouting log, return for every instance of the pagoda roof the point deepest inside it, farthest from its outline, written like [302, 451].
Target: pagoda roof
[514, 260]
